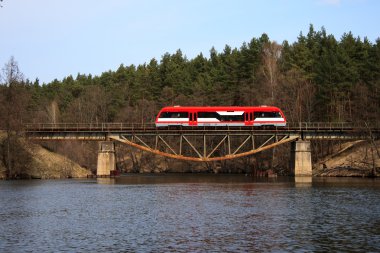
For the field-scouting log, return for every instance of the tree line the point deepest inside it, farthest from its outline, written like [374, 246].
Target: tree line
[316, 78]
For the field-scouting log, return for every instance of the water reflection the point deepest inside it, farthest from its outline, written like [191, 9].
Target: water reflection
[303, 181]
[182, 178]
[105, 180]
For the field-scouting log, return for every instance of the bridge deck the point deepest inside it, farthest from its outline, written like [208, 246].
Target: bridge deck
[112, 127]
[101, 130]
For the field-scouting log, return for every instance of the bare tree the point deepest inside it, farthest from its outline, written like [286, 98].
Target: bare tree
[53, 112]
[297, 96]
[11, 73]
[91, 107]
[13, 111]
[271, 55]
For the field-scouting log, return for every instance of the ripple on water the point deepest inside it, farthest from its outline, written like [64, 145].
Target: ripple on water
[198, 214]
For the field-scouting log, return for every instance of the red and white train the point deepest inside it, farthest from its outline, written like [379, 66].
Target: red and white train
[220, 116]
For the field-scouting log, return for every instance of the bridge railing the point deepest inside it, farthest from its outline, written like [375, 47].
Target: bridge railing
[331, 125]
[106, 127]
[87, 126]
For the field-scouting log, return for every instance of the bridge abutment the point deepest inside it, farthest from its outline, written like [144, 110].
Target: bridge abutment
[106, 159]
[300, 162]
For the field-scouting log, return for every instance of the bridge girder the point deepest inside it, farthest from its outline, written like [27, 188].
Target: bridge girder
[203, 147]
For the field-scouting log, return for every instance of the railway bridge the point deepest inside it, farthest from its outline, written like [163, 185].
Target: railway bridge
[204, 144]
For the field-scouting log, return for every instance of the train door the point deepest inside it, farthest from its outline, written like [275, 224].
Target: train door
[192, 119]
[248, 118]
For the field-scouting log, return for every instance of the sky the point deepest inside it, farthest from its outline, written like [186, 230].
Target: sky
[52, 39]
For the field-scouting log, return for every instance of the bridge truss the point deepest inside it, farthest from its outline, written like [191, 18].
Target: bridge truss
[203, 146]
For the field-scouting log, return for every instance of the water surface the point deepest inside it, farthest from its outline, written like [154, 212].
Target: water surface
[190, 213]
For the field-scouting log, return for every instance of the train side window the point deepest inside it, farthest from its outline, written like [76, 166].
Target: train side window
[183, 115]
[164, 115]
[207, 115]
[231, 118]
[267, 115]
[174, 115]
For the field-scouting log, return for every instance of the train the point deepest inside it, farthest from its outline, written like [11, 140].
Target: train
[220, 116]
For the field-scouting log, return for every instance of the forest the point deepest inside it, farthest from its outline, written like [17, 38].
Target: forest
[317, 78]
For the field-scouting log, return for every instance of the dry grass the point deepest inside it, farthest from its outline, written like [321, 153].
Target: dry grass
[354, 159]
[47, 165]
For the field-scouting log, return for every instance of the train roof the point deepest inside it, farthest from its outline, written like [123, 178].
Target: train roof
[221, 108]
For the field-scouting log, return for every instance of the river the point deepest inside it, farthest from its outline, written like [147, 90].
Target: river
[190, 213]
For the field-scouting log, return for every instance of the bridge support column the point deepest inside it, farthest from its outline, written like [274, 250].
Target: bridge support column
[106, 159]
[300, 161]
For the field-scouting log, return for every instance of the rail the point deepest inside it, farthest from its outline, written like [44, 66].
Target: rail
[332, 125]
[103, 127]
[109, 127]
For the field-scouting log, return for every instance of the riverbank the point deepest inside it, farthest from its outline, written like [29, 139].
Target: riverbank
[43, 164]
[351, 159]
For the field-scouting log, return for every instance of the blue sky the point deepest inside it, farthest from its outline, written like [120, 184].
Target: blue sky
[56, 38]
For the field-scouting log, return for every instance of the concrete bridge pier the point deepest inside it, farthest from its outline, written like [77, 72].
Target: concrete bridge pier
[106, 159]
[300, 161]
